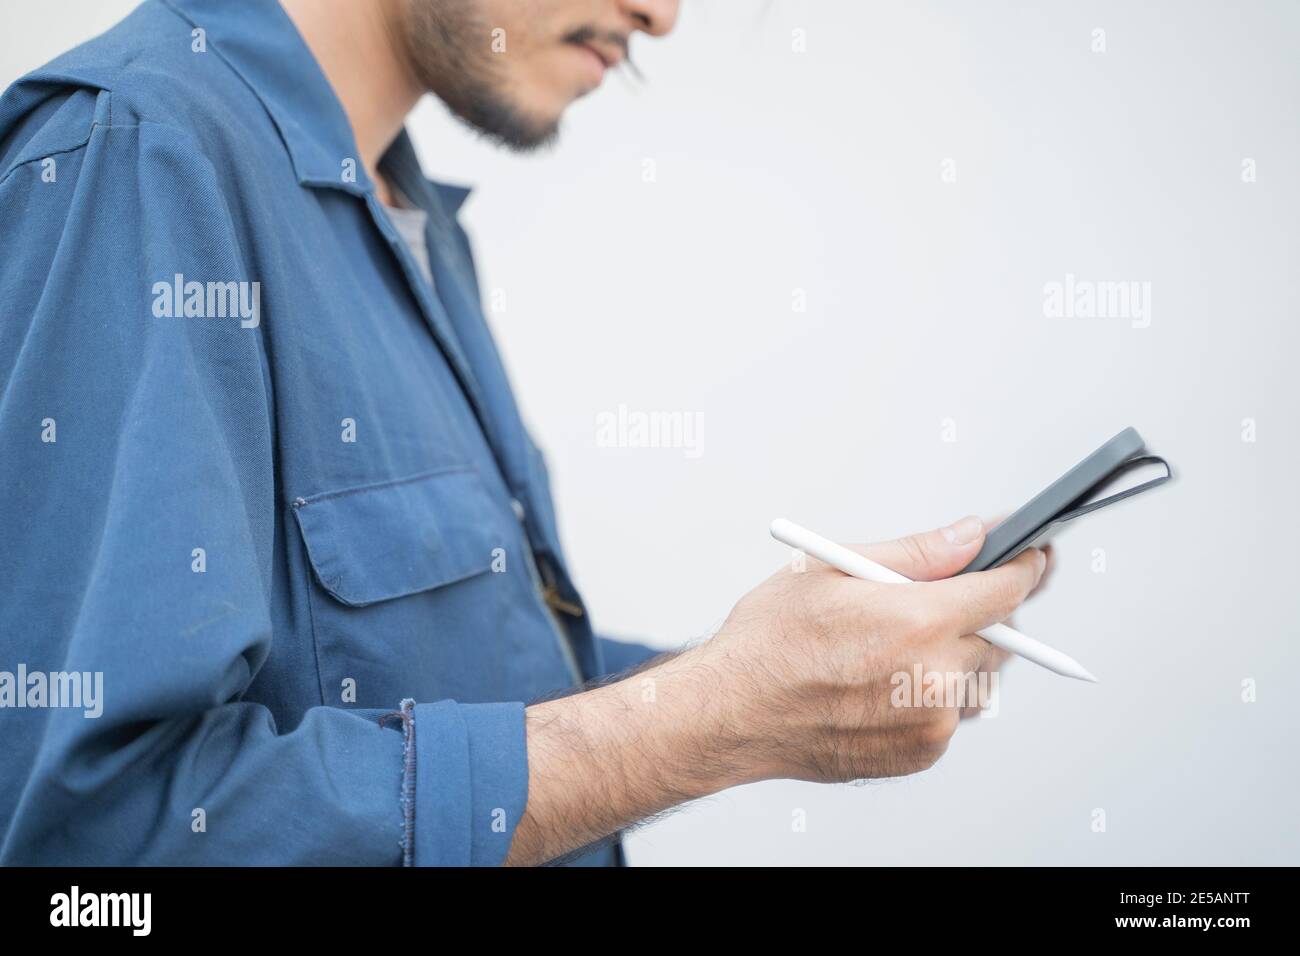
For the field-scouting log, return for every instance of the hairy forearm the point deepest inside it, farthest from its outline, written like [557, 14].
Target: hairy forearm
[603, 759]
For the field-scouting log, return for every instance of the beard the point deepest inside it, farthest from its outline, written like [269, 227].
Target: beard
[448, 46]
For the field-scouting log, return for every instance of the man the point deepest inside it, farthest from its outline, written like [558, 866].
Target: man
[265, 479]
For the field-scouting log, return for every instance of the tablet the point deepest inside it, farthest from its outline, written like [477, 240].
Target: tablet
[1073, 494]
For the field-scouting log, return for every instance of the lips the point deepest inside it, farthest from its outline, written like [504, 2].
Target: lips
[594, 65]
[599, 49]
[606, 57]
[609, 48]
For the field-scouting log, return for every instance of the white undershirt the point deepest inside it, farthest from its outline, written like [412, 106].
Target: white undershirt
[410, 223]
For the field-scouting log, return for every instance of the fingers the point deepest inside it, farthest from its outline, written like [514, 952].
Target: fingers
[974, 601]
[989, 660]
[977, 654]
[1047, 550]
[932, 555]
[1047, 572]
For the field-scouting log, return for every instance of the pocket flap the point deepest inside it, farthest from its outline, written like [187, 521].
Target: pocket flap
[379, 542]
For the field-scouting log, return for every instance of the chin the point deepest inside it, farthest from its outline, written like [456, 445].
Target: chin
[546, 105]
[519, 122]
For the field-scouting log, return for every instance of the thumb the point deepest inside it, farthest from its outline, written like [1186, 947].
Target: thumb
[931, 555]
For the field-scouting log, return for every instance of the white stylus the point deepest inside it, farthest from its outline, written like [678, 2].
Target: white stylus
[852, 563]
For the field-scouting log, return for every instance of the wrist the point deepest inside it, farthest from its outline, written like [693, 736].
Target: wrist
[720, 718]
[601, 760]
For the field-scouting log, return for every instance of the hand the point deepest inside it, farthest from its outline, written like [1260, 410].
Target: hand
[797, 683]
[814, 653]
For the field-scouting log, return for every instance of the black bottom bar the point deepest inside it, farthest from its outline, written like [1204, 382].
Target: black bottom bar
[333, 905]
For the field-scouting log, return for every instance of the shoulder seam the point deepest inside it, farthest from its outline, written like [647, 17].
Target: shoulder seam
[54, 152]
[108, 85]
[90, 134]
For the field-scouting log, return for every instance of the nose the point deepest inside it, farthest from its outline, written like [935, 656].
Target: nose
[655, 17]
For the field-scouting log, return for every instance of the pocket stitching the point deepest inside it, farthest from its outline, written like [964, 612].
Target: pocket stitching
[301, 502]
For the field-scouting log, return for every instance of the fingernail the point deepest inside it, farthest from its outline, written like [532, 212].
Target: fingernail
[964, 531]
[1042, 561]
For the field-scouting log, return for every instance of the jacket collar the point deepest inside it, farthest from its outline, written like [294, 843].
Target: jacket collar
[442, 201]
[261, 44]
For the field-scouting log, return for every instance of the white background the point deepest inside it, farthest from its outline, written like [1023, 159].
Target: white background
[777, 170]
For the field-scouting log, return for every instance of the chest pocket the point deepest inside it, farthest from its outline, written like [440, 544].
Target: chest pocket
[386, 541]
[401, 601]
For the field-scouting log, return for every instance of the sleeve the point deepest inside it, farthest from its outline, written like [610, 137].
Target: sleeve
[133, 447]
[624, 655]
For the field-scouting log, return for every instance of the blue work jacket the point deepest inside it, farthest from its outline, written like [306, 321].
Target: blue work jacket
[261, 483]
